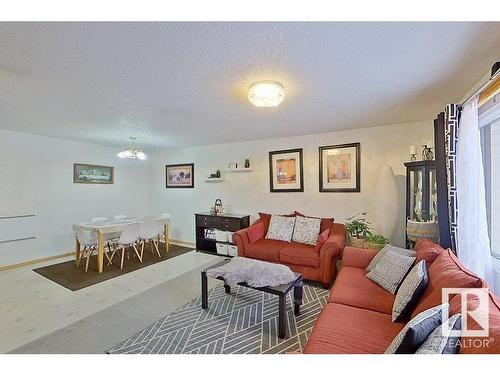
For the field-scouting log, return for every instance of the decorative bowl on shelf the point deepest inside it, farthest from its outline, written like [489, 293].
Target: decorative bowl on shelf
[422, 229]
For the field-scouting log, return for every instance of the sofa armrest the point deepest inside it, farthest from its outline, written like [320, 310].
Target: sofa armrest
[357, 257]
[241, 238]
[331, 251]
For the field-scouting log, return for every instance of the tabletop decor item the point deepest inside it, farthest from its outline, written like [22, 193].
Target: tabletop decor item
[233, 165]
[376, 241]
[339, 168]
[247, 163]
[413, 153]
[93, 174]
[286, 171]
[179, 175]
[427, 153]
[358, 229]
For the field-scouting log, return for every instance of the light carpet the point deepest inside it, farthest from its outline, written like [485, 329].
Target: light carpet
[245, 321]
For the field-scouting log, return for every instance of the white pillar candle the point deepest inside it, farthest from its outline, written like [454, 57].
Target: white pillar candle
[412, 150]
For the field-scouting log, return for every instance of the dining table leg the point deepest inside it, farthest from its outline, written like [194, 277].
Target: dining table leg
[167, 236]
[77, 251]
[100, 251]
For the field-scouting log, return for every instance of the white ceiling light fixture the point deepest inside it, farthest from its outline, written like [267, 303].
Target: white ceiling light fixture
[132, 151]
[266, 94]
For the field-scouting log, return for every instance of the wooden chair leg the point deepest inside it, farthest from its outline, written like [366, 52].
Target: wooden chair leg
[122, 257]
[89, 253]
[137, 252]
[142, 248]
[155, 243]
[112, 254]
[82, 253]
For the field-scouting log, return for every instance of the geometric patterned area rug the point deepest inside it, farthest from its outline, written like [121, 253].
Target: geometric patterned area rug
[245, 321]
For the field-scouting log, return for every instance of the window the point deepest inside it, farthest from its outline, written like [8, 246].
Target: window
[489, 121]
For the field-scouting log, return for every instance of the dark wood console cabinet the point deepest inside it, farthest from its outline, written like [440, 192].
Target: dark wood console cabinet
[223, 222]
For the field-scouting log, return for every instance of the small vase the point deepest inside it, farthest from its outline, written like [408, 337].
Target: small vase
[247, 163]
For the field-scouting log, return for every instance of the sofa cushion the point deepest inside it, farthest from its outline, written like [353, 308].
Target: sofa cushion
[326, 222]
[416, 331]
[410, 291]
[353, 288]
[280, 228]
[321, 239]
[385, 249]
[299, 254]
[479, 345]
[345, 329]
[427, 250]
[306, 230]
[256, 232]
[266, 219]
[445, 272]
[390, 271]
[264, 249]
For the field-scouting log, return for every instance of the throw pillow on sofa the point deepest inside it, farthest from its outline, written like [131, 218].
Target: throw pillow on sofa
[322, 238]
[266, 219]
[410, 291]
[391, 270]
[441, 340]
[306, 230]
[385, 249]
[326, 222]
[427, 250]
[281, 228]
[256, 232]
[416, 331]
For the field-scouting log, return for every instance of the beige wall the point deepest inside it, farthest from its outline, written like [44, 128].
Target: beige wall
[249, 192]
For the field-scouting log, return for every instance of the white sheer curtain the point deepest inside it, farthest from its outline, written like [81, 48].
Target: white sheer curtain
[473, 245]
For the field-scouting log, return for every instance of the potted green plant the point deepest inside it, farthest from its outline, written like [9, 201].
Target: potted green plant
[376, 241]
[358, 229]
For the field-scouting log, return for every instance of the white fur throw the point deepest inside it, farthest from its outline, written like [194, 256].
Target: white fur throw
[255, 273]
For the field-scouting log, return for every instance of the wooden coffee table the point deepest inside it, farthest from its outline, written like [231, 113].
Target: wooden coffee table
[280, 290]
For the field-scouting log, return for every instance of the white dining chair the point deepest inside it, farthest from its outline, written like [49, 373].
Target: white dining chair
[149, 232]
[119, 217]
[129, 238]
[108, 237]
[166, 233]
[88, 240]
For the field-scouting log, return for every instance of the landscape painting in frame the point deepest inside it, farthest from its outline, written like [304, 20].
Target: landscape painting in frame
[92, 174]
[339, 168]
[286, 171]
[180, 175]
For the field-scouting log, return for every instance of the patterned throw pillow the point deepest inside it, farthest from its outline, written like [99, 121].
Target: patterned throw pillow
[440, 341]
[391, 270]
[306, 230]
[410, 291]
[280, 228]
[416, 331]
[386, 248]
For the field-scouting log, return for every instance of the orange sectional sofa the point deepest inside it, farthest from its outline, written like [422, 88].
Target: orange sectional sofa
[357, 317]
[312, 264]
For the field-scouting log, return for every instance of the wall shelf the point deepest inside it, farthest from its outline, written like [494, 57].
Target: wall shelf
[230, 170]
[214, 179]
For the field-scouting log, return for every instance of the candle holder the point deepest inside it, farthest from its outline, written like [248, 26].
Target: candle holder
[413, 157]
[427, 153]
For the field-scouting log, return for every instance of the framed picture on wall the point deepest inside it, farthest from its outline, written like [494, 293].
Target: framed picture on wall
[179, 175]
[286, 171]
[339, 168]
[93, 174]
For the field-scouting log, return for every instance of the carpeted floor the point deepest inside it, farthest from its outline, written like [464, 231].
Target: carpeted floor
[72, 278]
[243, 322]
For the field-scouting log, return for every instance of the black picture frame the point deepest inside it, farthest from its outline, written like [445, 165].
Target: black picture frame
[77, 167]
[274, 189]
[180, 186]
[356, 189]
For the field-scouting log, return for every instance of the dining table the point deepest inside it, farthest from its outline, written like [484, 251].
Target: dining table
[116, 226]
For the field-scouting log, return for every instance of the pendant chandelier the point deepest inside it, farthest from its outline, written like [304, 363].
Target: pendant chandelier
[132, 151]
